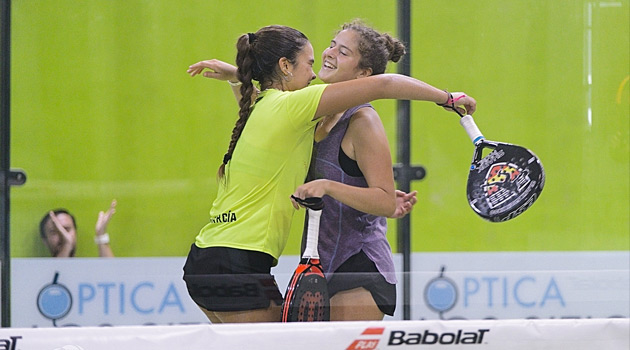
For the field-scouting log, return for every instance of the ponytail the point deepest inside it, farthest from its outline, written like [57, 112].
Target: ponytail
[244, 61]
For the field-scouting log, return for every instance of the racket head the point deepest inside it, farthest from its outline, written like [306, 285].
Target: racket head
[307, 299]
[505, 182]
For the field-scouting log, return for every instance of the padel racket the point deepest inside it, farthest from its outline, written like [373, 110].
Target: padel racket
[306, 298]
[505, 182]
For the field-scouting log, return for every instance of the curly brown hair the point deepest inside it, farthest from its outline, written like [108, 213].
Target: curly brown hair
[376, 49]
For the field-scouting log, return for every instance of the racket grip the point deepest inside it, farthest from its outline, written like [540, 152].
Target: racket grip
[471, 128]
[312, 234]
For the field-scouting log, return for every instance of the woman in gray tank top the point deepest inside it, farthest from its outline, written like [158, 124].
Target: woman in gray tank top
[351, 162]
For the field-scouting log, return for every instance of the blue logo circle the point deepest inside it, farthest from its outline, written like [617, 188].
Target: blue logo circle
[440, 294]
[54, 301]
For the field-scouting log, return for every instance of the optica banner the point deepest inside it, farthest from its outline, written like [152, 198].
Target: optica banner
[51, 292]
[503, 285]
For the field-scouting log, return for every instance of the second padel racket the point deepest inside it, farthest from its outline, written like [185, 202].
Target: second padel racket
[306, 298]
[505, 182]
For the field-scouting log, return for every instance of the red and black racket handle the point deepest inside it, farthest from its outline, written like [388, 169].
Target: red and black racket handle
[313, 203]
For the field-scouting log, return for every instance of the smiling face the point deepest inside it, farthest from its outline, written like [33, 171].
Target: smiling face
[340, 61]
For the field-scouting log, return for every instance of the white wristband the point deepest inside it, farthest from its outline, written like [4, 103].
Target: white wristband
[102, 239]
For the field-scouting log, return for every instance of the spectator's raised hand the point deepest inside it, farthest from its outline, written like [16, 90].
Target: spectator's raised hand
[102, 237]
[103, 219]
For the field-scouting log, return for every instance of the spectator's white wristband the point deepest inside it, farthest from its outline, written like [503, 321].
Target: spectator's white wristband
[102, 239]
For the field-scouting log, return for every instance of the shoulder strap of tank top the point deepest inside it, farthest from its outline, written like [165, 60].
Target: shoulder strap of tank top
[354, 109]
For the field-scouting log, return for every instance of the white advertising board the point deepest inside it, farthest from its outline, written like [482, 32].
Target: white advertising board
[609, 334]
[100, 292]
[48, 292]
[502, 285]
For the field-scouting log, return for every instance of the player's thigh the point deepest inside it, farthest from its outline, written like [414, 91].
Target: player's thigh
[271, 314]
[211, 315]
[354, 305]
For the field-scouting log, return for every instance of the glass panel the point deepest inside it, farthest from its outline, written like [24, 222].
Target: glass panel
[102, 109]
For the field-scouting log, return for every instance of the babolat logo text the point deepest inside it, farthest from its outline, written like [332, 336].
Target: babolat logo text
[9, 344]
[429, 338]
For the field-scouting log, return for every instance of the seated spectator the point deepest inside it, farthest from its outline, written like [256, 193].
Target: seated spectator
[58, 230]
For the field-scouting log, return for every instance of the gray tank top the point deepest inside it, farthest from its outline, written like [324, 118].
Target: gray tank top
[345, 231]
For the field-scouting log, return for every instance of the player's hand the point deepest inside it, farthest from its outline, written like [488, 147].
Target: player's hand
[464, 103]
[404, 203]
[315, 188]
[214, 69]
[104, 217]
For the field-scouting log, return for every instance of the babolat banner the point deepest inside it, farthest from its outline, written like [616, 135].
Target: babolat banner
[48, 292]
[584, 334]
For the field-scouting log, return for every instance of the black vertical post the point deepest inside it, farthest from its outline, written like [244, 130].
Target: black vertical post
[403, 171]
[404, 154]
[5, 171]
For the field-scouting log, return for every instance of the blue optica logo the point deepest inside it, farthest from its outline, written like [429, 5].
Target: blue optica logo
[54, 301]
[440, 294]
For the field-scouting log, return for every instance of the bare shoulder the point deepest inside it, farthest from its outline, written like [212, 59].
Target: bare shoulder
[366, 121]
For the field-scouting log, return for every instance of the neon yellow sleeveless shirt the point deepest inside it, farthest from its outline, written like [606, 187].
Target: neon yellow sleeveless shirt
[252, 210]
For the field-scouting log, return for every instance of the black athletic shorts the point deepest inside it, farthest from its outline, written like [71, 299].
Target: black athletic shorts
[360, 271]
[228, 279]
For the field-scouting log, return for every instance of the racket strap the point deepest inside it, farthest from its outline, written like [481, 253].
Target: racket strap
[450, 103]
[312, 234]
